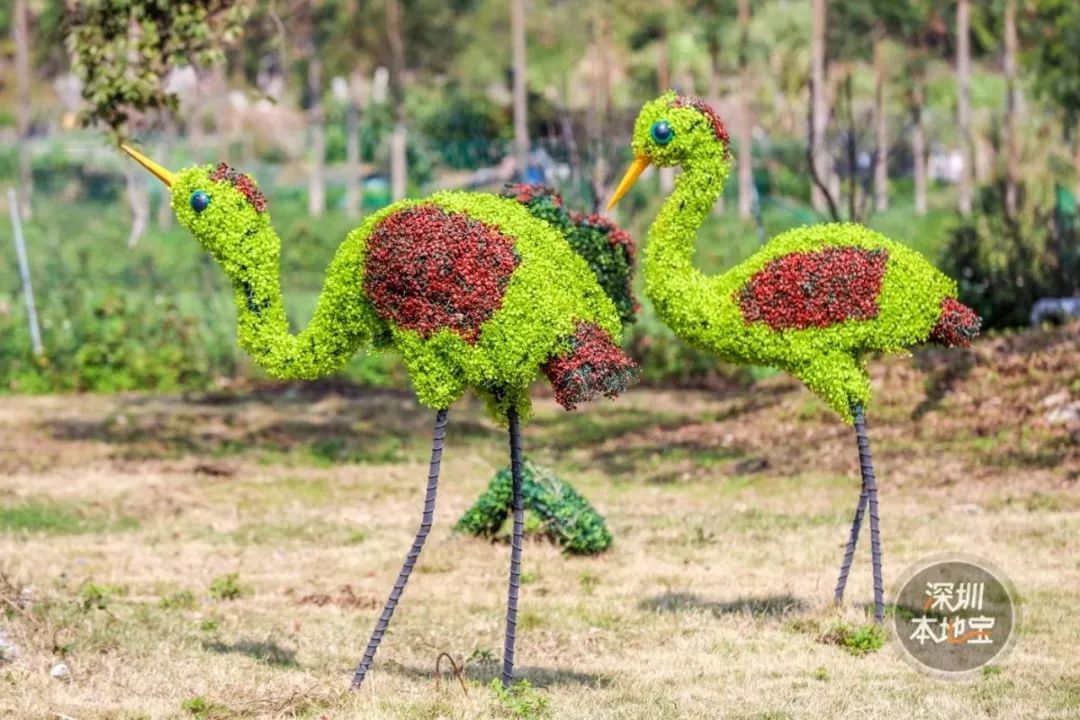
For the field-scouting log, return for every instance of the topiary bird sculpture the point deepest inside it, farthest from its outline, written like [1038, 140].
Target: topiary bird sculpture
[813, 301]
[471, 289]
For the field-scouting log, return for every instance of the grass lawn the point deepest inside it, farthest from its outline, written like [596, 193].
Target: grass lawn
[218, 557]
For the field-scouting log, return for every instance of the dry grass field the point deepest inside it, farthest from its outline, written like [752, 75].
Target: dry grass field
[224, 556]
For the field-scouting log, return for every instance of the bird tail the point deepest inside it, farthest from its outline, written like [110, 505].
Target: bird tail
[606, 248]
[957, 326]
[592, 365]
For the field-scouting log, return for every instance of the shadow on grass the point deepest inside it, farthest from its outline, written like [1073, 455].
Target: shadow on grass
[540, 677]
[770, 606]
[265, 651]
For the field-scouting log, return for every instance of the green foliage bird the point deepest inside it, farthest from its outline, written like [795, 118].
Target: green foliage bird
[472, 290]
[813, 301]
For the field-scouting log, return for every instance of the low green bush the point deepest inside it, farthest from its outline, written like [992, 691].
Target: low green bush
[564, 515]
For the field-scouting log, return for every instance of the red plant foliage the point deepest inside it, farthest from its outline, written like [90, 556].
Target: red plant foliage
[526, 192]
[691, 101]
[428, 269]
[241, 182]
[594, 365]
[815, 289]
[615, 234]
[957, 326]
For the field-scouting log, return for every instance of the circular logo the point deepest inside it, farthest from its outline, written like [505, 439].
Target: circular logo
[954, 614]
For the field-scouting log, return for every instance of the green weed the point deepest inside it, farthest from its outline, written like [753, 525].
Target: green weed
[858, 641]
[179, 600]
[227, 587]
[96, 596]
[521, 700]
[53, 518]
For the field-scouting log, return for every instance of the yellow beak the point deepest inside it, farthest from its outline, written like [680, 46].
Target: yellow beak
[632, 174]
[159, 172]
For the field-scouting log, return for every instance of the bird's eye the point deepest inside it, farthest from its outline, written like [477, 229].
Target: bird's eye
[199, 201]
[661, 132]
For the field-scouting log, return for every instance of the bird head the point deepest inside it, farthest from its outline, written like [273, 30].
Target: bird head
[673, 130]
[223, 208]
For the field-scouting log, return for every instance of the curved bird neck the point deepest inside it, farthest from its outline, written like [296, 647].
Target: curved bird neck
[680, 292]
[339, 326]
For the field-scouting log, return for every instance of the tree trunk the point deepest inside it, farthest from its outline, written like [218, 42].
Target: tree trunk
[598, 114]
[521, 126]
[852, 152]
[1012, 158]
[881, 156]
[398, 167]
[138, 202]
[168, 137]
[963, 102]
[20, 29]
[918, 145]
[352, 146]
[317, 131]
[818, 107]
[196, 133]
[663, 84]
[716, 72]
[746, 122]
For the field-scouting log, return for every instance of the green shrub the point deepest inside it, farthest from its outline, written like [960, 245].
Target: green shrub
[1004, 265]
[562, 514]
[467, 132]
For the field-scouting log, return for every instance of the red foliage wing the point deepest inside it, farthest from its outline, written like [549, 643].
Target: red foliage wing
[428, 269]
[815, 289]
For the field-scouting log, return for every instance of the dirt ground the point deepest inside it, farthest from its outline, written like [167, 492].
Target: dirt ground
[226, 555]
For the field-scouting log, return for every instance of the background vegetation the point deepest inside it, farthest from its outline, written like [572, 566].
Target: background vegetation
[948, 126]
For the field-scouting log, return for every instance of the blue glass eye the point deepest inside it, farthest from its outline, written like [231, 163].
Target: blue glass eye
[661, 132]
[199, 201]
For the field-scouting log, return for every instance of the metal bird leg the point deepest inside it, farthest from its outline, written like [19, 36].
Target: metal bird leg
[867, 466]
[849, 552]
[414, 552]
[869, 492]
[868, 496]
[515, 549]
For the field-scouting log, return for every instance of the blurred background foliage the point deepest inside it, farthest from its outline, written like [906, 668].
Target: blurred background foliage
[308, 96]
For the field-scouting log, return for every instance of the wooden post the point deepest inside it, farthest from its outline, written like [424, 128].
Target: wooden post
[520, 90]
[24, 272]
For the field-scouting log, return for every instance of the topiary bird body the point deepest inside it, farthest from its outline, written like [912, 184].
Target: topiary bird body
[813, 301]
[473, 290]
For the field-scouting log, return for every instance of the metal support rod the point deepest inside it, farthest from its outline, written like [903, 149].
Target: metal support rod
[515, 549]
[24, 271]
[867, 468]
[414, 552]
[853, 538]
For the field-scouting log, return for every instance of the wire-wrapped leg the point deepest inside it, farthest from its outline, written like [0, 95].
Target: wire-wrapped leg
[853, 538]
[870, 484]
[515, 550]
[414, 552]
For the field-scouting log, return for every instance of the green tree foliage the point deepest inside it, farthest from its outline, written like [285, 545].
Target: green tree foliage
[122, 50]
[1052, 55]
[1004, 265]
